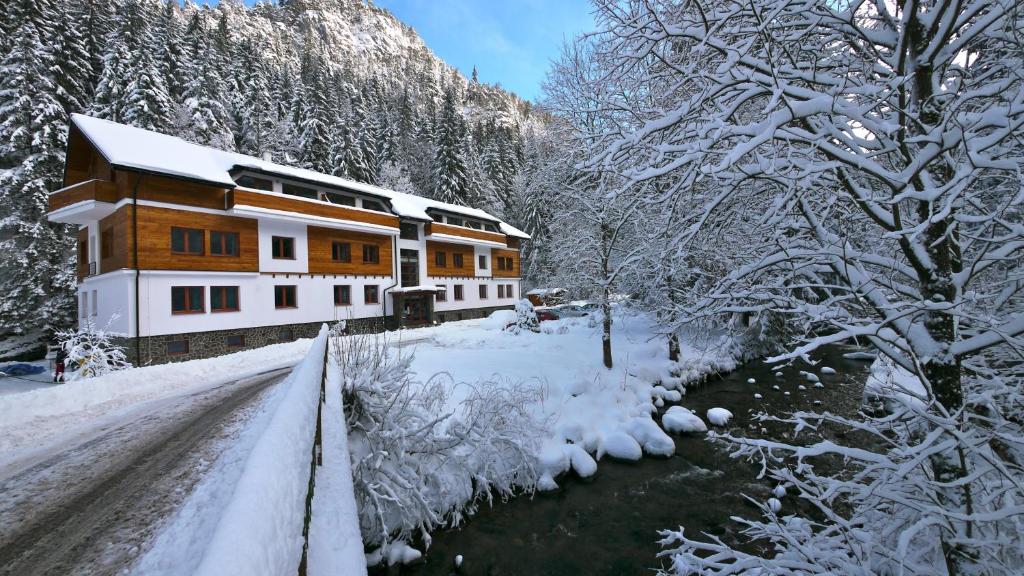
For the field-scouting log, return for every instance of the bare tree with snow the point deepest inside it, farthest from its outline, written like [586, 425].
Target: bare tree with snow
[875, 148]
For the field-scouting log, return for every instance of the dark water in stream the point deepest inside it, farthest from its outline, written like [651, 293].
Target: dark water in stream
[609, 524]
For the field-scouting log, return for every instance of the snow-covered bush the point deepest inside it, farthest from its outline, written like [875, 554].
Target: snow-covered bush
[420, 460]
[91, 352]
[526, 318]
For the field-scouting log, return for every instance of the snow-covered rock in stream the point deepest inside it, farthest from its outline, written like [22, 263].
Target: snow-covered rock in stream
[581, 462]
[553, 459]
[801, 387]
[774, 505]
[546, 483]
[779, 491]
[779, 374]
[719, 416]
[758, 396]
[393, 554]
[661, 393]
[651, 437]
[678, 419]
[619, 445]
[811, 377]
[751, 381]
[775, 387]
[827, 370]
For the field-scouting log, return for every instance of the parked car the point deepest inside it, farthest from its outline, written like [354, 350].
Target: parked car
[571, 311]
[546, 314]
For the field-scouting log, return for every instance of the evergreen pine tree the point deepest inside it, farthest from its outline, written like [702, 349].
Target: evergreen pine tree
[207, 120]
[36, 257]
[147, 103]
[258, 118]
[317, 139]
[451, 181]
[170, 52]
[73, 74]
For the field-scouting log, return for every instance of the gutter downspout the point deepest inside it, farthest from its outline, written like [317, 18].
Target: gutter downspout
[135, 264]
[394, 272]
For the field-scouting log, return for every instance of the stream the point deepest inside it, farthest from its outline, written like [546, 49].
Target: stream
[609, 524]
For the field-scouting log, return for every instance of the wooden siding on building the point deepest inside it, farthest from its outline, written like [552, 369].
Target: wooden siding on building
[241, 197]
[437, 228]
[82, 263]
[155, 240]
[170, 190]
[320, 252]
[120, 222]
[515, 272]
[98, 190]
[83, 161]
[468, 269]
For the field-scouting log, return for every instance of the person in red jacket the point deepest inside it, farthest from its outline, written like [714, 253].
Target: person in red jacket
[59, 361]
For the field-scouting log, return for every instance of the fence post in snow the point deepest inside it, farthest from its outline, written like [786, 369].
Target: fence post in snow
[316, 460]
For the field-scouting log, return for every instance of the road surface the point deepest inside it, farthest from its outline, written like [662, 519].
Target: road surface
[92, 506]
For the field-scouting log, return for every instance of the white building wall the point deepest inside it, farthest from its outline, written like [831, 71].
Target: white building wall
[268, 228]
[110, 295]
[471, 293]
[479, 251]
[314, 298]
[110, 302]
[418, 245]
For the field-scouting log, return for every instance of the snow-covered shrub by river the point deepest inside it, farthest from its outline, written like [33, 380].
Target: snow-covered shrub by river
[443, 417]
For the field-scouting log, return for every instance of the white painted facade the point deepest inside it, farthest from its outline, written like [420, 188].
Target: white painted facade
[107, 299]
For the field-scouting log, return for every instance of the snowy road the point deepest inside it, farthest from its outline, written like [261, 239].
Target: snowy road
[92, 506]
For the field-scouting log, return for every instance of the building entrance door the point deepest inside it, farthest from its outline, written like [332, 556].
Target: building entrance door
[415, 310]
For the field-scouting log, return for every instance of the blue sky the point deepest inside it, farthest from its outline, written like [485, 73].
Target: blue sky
[511, 42]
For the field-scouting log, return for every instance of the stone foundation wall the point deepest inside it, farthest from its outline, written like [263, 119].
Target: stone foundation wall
[470, 314]
[155, 350]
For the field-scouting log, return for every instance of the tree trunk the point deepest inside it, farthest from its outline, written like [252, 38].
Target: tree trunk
[941, 369]
[606, 293]
[606, 340]
[673, 347]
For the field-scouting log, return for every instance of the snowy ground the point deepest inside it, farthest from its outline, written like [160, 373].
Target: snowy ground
[57, 414]
[584, 410]
[91, 504]
[582, 404]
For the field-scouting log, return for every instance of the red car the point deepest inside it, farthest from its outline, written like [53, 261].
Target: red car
[543, 315]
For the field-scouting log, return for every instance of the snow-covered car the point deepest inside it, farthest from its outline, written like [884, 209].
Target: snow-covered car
[571, 311]
[546, 314]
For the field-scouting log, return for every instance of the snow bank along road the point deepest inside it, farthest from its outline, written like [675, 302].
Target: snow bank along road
[91, 507]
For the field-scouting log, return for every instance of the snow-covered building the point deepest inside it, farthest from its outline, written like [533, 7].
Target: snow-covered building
[192, 251]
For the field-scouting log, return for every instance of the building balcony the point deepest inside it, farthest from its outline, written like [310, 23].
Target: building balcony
[254, 203]
[447, 233]
[83, 202]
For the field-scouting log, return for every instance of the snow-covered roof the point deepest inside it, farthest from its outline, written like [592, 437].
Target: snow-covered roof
[134, 148]
[510, 230]
[127, 147]
[421, 288]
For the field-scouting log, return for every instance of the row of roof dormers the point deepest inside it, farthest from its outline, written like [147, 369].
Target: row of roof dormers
[131, 148]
